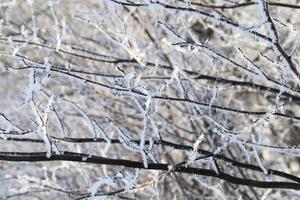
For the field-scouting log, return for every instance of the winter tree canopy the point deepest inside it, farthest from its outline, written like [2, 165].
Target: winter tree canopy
[150, 99]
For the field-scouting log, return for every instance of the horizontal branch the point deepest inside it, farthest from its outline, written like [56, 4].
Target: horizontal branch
[239, 5]
[163, 143]
[86, 158]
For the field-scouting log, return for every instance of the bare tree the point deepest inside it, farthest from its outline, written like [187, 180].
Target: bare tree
[149, 99]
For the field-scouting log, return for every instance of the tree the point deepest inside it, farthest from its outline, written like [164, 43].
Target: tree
[150, 99]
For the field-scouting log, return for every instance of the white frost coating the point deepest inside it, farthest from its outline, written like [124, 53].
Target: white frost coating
[125, 140]
[41, 118]
[30, 3]
[213, 165]
[265, 171]
[17, 48]
[58, 38]
[174, 76]
[213, 99]
[137, 80]
[32, 87]
[131, 146]
[102, 132]
[128, 78]
[148, 102]
[194, 154]
[247, 155]
[217, 19]
[261, 135]
[144, 112]
[142, 141]
[234, 138]
[210, 52]
[264, 19]
[112, 36]
[180, 86]
[211, 187]
[47, 65]
[102, 181]
[42, 121]
[223, 99]
[171, 168]
[154, 127]
[130, 180]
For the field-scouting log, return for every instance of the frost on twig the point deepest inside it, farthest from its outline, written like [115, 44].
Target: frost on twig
[42, 119]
